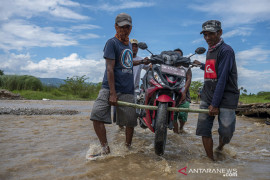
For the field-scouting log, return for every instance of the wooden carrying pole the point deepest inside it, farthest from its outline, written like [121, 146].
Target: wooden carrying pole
[138, 106]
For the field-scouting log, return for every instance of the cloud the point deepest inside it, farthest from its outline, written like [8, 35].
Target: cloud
[84, 27]
[88, 36]
[254, 55]
[253, 81]
[241, 31]
[20, 34]
[78, 28]
[29, 8]
[122, 5]
[236, 12]
[197, 41]
[197, 73]
[69, 66]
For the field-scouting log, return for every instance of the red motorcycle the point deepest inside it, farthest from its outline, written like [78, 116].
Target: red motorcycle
[162, 86]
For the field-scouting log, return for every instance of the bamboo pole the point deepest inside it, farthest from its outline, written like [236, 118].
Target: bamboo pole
[138, 106]
[206, 111]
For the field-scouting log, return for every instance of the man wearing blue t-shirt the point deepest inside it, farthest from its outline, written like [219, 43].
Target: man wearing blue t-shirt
[117, 85]
[220, 91]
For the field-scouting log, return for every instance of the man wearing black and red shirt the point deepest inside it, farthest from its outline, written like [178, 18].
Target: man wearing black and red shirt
[220, 91]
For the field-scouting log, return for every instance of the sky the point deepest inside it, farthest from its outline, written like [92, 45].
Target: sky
[65, 38]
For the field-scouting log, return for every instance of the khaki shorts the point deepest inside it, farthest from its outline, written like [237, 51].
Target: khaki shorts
[125, 116]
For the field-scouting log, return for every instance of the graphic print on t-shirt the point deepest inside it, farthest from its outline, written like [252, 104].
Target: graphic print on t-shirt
[126, 59]
[210, 69]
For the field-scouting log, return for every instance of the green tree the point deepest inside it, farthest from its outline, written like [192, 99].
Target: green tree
[78, 86]
[243, 91]
[194, 87]
[1, 72]
[75, 84]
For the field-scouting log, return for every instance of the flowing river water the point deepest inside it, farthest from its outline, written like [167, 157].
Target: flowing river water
[55, 147]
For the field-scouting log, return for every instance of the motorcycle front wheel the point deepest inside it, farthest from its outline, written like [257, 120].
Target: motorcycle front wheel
[161, 128]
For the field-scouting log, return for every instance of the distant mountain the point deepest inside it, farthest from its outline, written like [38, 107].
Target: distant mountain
[52, 81]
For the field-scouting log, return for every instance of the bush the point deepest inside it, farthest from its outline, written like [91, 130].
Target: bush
[15, 82]
[263, 93]
[194, 87]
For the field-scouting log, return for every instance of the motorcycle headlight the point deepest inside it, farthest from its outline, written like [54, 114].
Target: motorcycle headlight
[157, 78]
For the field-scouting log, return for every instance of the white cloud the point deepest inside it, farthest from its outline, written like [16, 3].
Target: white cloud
[241, 31]
[84, 27]
[88, 36]
[29, 8]
[19, 34]
[197, 73]
[253, 81]
[69, 66]
[122, 5]
[236, 12]
[254, 55]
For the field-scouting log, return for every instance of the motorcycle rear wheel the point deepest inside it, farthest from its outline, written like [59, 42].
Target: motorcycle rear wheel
[161, 128]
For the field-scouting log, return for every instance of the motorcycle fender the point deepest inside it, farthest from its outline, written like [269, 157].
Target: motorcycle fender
[164, 98]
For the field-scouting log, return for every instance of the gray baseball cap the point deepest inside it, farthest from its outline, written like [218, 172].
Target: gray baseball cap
[123, 19]
[211, 25]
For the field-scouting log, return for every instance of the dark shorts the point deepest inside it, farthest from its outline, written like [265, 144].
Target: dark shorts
[125, 116]
[226, 121]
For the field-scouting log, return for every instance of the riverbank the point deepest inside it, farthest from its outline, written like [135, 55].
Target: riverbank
[261, 110]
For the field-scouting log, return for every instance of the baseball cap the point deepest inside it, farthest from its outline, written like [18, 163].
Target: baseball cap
[211, 25]
[133, 41]
[123, 19]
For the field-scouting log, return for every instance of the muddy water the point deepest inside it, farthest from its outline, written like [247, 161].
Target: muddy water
[55, 147]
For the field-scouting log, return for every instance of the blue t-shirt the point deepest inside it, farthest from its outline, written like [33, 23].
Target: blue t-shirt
[123, 72]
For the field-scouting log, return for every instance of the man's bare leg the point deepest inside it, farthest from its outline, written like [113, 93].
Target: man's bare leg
[208, 146]
[101, 134]
[182, 123]
[175, 128]
[221, 144]
[129, 135]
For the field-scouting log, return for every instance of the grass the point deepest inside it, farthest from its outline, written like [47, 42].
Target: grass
[59, 95]
[254, 99]
[39, 95]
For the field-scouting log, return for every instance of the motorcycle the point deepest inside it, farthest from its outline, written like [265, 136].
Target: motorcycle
[162, 86]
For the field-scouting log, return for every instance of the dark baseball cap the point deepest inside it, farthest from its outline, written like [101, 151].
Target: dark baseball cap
[211, 26]
[123, 19]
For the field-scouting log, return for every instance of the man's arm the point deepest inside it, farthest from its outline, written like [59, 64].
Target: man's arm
[187, 85]
[143, 61]
[199, 63]
[110, 76]
[224, 68]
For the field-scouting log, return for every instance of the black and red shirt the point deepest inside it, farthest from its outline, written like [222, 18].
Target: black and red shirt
[220, 78]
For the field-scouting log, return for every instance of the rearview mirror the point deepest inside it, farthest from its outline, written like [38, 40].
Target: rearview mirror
[142, 45]
[200, 50]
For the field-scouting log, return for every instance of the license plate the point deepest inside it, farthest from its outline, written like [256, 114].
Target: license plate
[173, 70]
